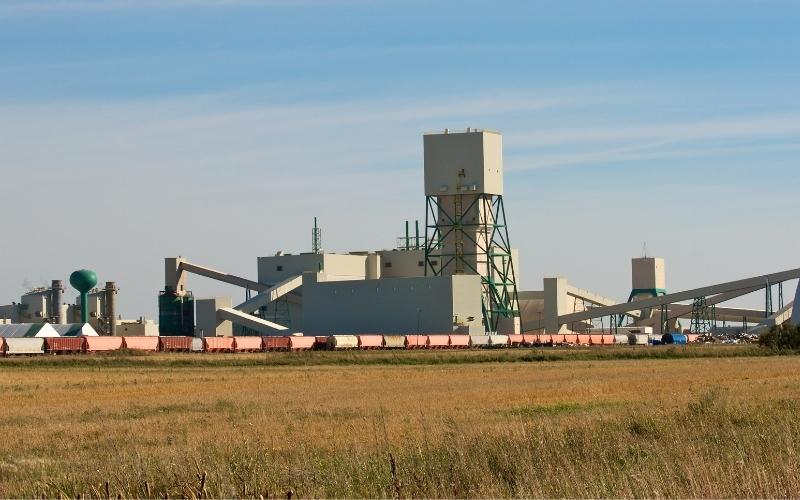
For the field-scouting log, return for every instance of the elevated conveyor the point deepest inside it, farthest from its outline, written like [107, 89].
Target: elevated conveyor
[271, 294]
[222, 276]
[780, 317]
[247, 320]
[729, 290]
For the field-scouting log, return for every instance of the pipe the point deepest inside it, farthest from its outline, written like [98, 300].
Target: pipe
[407, 237]
[417, 224]
[111, 307]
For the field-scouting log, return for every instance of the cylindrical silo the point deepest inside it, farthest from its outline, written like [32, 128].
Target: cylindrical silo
[56, 300]
[111, 307]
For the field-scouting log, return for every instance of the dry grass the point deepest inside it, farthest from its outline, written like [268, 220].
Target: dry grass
[695, 427]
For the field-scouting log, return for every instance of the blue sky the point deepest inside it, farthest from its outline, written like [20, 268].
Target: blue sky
[218, 129]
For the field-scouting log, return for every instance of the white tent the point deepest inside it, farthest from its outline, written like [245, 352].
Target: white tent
[27, 330]
[75, 330]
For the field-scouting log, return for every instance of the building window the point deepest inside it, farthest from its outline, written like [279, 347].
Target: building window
[279, 268]
[421, 263]
[387, 264]
[434, 263]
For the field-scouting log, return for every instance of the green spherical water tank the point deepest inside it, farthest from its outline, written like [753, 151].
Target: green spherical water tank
[83, 280]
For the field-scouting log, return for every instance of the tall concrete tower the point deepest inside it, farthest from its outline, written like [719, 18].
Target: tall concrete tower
[465, 222]
[796, 307]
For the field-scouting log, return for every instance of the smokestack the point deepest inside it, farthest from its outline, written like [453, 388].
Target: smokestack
[56, 299]
[111, 307]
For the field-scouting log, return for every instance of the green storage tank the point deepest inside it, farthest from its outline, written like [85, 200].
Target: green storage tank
[176, 314]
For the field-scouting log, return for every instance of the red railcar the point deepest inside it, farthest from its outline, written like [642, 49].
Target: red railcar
[516, 340]
[370, 341]
[175, 344]
[416, 341]
[100, 344]
[297, 343]
[275, 343]
[141, 343]
[64, 345]
[247, 344]
[459, 341]
[438, 341]
[218, 344]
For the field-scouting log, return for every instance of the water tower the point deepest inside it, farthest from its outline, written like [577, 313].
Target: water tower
[465, 222]
[83, 281]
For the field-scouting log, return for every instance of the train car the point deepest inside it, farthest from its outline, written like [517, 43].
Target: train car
[638, 338]
[247, 344]
[64, 345]
[370, 341]
[218, 344]
[596, 339]
[557, 339]
[620, 339]
[459, 341]
[498, 340]
[544, 339]
[416, 341]
[339, 342]
[24, 345]
[571, 338]
[103, 344]
[140, 343]
[529, 339]
[584, 339]
[394, 341]
[438, 341]
[176, 344]
[479, 340]
[320, 342]
[197, 344]
[272, 343]
[301, 343]
[516, 340]
[607, 340]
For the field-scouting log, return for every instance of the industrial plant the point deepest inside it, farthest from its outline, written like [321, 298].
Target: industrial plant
[454, 276]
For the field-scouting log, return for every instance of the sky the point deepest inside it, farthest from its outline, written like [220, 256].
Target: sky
[133, 130]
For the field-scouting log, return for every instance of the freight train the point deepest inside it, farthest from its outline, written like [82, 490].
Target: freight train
[77, 345]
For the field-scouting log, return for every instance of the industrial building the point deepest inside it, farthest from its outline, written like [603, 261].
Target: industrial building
[458, 274]
[46, 305]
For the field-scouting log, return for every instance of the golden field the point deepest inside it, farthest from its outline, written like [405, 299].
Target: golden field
[447, 425]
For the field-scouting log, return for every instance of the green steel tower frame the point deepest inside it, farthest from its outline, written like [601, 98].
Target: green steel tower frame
[499, 294]
[701, 316]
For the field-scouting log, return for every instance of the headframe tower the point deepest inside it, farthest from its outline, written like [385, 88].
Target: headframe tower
[466, 231]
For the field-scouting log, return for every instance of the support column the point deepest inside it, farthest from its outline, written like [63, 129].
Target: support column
[555, 304]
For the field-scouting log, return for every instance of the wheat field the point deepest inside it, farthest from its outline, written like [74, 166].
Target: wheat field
[248, 426]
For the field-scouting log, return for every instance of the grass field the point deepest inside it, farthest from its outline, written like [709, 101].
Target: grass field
[699, 422]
